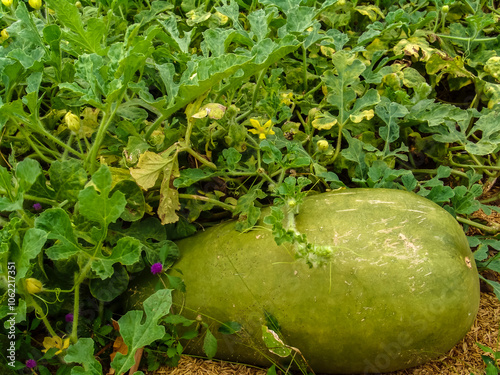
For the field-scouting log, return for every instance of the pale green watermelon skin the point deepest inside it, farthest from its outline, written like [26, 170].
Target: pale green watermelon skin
[402, 287]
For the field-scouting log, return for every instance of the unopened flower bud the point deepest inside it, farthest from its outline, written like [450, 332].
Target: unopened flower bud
[35, 4]
[445, 9]
[33, 286]
[72, 121]
[322, 145]
[7, 3]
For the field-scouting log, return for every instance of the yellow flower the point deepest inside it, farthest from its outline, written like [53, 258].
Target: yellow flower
[33, 286]
[261, 130]
[7, 3]
[4, 35]
[72, 121]
[286, 98]
[55, 342]
[35, 4]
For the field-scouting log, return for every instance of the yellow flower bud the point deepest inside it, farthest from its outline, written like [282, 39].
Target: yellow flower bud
[35, 4]
[4, 35]
[7, 3]
[72, 121]
[33, 286]
[78, 4]
[445, 8]
[322, 145]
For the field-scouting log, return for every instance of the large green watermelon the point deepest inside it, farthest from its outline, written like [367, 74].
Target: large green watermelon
[401, 288]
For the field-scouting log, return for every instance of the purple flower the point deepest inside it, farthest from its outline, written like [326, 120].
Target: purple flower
[30, 363]
[37, 206]
[69, 317]
[156, 268]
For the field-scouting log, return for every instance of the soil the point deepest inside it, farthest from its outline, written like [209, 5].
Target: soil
[464, 359]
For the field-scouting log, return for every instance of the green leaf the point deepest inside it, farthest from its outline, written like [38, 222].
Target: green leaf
[30, 31]
[389, 112]
[127, 252]
[67, 178]
[176, 283]
[168, 253]
[487, 127]
[107, 290]
[83, 352]
[138, 331]
[14, 199]
[245, 207]
[356, 153]
[271, 153]
[206, 73]
[170, 26]
[232, 157]
[259, 22]
[274, 343]
[68, 14]
[33, 242]
[96, 205]
[190, 176]
[209, 344]
[136, 203]
[230, 328]
[494, 284]
[56, 222]
[27, 171]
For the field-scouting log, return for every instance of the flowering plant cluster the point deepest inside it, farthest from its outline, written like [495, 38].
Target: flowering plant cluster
[126, 125]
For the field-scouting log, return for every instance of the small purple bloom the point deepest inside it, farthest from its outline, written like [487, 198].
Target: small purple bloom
[156, 268]
[69, 317]
[30, 363]
[37, 206]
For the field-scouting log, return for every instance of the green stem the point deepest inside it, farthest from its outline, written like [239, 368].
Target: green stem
[40, 129]
[43, 317]
[155, 125]
[485, 228]
[339, 143]
[434, 171]
[313, 90]
[33, 146]
[485, 167]
[257, 85]
[79, 278]
[199, 158]
[215, 202]
[101, 132]
[70, 141]
[478, 40]
[304, 65]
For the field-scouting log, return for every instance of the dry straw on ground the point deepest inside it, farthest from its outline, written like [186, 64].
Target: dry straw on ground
[463, 359]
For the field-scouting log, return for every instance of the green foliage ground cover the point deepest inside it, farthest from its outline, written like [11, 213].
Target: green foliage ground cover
[125, 125]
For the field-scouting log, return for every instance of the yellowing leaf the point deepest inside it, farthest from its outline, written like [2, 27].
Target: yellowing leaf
[323, 121]
[492, 92]
[492, 67]
[439, 66]
[358, 117]
[371, 11]
[417, 47]
[169, 196]
[148, 169]
[212, 110]
[89, 122]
